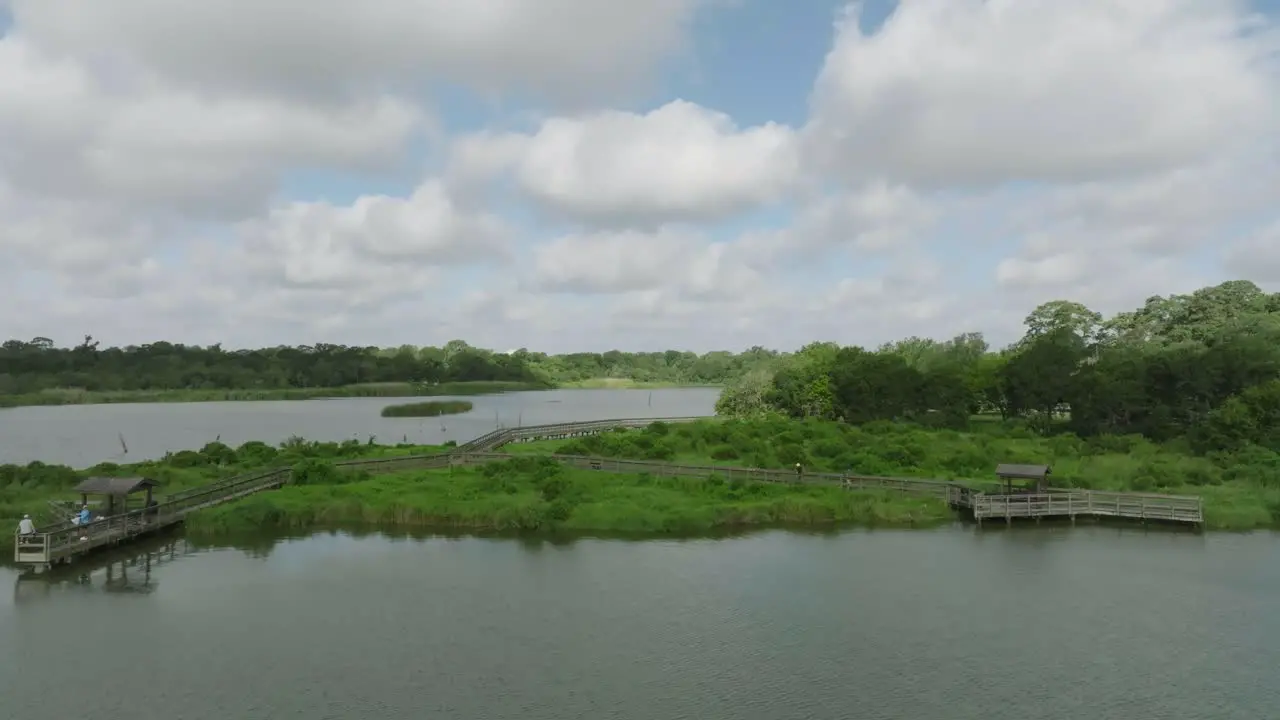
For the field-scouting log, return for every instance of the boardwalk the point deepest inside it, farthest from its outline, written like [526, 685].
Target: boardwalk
[63, 542]
[1089, 503]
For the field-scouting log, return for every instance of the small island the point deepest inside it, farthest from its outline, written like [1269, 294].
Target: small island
[434, 408]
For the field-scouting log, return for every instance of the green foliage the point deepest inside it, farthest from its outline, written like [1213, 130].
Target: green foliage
[314, 471]
[539, 494]
[427, 409]
[1247, 478]
[671, 367]
[1203, 367]
[36, 372]
[27, 489]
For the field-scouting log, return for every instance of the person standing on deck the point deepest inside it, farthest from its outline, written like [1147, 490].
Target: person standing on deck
[84, 521]
[26, 527]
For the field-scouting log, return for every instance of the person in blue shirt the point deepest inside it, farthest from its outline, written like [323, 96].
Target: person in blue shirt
[83, 520]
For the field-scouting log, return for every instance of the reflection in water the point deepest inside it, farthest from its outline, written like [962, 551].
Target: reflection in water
[126, 571]
[943, 624]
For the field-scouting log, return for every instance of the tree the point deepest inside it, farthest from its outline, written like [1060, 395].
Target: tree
[1201, 366]
[1063, 315]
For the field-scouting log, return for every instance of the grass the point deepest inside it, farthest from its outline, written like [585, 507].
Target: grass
[536, 494]
[74, 396]
[628, 384]
[433, 408]
[1241, 491]
[27, 489]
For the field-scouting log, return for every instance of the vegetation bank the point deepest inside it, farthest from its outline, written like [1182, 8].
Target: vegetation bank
[27, 489]
[540, 494]
[37, 372]
[427, 409]
[1238, 494]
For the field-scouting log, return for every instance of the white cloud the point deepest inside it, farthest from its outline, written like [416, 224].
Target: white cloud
[327, 246]
[1258, 256]
[336, 49]
[968, 91]
[75, 132]
[633, 262]
[678, 162]
[872, 219]
[172, 171]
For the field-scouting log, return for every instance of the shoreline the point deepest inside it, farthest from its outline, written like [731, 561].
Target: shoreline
[55, 398]
[526, 490]
[536, 496]
[372, 390]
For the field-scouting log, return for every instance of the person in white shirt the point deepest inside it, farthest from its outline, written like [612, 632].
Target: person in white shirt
[26, 527]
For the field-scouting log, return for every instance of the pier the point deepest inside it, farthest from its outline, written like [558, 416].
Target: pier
[65, 541]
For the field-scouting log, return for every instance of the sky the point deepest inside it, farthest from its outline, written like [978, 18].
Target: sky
[582, 175]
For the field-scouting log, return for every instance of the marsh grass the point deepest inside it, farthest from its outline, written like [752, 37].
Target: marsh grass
[433, 408]
[27, 489]
[538, 494]
[1241, 490]
[629, 384]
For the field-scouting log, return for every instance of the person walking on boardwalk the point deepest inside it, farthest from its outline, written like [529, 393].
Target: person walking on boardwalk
[26, 527]
[799, 471]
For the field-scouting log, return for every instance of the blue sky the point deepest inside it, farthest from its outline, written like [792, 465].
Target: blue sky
[410, 171]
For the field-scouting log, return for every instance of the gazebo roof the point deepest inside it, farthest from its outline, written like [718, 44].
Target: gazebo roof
[114, 485]
[1011, 471]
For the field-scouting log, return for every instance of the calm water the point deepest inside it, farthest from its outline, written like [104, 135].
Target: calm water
[82, 435]
[1091, 623]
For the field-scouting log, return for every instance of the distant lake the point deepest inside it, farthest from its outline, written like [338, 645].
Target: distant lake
[83, 435]
[951, 624]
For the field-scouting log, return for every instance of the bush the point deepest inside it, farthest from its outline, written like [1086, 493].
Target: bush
[315, 472]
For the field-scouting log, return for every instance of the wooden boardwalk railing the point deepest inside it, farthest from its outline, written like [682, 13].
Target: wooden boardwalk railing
[1074, 503]
[64, 541]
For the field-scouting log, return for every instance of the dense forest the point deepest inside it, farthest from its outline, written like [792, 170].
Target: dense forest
[38, 365]
[1204, 368]
[28, 367]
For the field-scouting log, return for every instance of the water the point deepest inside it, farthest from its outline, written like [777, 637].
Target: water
[951, 624]
[83, 435]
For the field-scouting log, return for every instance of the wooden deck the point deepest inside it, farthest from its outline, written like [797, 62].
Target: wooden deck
[1071, 504]
[64, 542]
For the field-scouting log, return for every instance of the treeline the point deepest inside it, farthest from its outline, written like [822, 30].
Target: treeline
[669, 366]
[37, 365]
[1204, 367]
[28, 367]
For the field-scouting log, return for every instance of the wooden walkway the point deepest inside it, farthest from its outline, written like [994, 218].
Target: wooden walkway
[1071, 504]
[63, 542]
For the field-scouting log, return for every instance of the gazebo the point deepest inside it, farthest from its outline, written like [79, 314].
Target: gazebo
[117, 491]
[1034, 477]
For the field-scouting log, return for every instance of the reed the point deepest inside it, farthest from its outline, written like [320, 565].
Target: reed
[539, 494]
[434, 408]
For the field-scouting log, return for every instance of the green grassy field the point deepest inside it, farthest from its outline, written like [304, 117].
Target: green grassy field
[1241, 491]
[535, 494]
[529, 493]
